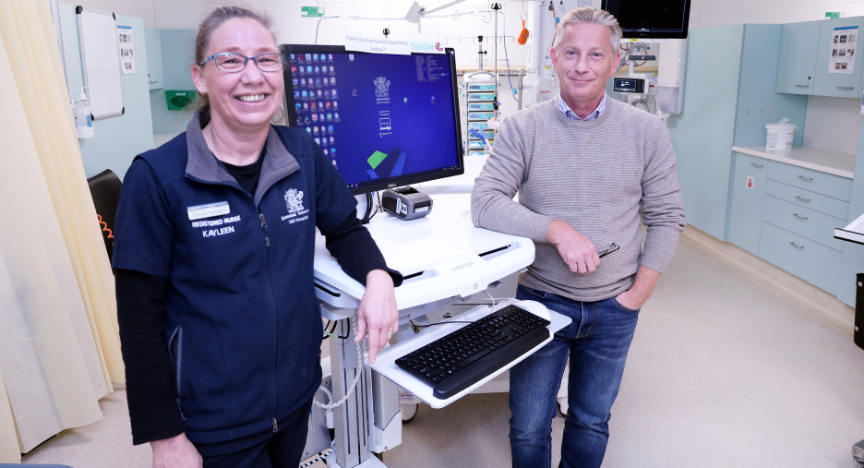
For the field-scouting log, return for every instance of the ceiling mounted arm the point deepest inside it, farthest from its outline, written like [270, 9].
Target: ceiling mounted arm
[418, 11]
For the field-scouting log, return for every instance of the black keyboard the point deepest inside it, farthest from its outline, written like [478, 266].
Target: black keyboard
[464, 357]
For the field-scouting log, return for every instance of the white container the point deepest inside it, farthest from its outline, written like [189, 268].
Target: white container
[780, 135]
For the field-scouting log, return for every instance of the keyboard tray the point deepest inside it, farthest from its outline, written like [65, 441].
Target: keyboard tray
[387, 367]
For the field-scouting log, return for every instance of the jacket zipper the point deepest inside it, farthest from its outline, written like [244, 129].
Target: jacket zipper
[275, 341]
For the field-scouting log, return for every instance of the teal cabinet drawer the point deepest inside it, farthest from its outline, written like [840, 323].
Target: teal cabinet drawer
[802, 257]
[799, 47]
[808, 179]
[748, 190]
[805, 222]
[807, 199]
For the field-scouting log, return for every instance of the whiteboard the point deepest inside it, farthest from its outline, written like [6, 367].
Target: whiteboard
[100, 60]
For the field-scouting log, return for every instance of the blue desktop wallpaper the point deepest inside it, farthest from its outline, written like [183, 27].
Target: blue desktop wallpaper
[377, 116]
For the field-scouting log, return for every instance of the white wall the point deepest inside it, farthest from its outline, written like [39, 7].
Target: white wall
[710, 13]
[832, 123]
[291, 28]
[143, 9]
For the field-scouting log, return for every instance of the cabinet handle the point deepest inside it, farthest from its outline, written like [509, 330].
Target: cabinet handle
[154, 82]
[846, 88]
[802, 218]
[805, 200]
[805, 179]
[799, 247]
[757, 166]
[802, 85]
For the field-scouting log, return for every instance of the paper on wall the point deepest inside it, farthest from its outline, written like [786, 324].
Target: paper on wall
[378, 45]
[844, 42]
[127, 51]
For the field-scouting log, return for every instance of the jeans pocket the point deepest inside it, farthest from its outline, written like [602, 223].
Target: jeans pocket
[535, 292]
[625, 309]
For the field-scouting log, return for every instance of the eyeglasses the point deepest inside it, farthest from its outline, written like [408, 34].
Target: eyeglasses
[230, 62]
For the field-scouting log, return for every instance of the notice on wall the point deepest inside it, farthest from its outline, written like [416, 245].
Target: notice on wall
[127, 51]
[843, 48]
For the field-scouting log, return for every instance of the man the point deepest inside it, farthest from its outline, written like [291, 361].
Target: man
[584, 166]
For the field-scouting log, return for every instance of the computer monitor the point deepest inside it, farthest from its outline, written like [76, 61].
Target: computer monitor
[384, 120]
[659, 19]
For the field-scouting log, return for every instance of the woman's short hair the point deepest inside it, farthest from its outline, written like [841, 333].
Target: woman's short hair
[589, 15]
[211, 22]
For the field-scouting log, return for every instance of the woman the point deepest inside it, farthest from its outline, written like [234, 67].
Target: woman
[214, 246]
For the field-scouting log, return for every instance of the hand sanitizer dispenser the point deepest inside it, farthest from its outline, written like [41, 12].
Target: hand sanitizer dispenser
[83, 119]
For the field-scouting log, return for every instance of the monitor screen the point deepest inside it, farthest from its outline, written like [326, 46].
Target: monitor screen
[384, 120]
[660, 19]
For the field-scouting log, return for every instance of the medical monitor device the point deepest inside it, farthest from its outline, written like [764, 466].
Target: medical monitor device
[659, 19]
[383, 120]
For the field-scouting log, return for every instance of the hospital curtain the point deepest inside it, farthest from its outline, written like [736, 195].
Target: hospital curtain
[59, 342]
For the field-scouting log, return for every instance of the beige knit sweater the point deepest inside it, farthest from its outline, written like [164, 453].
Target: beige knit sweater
[601, 177]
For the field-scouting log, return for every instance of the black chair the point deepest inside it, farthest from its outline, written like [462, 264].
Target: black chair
[105, 190]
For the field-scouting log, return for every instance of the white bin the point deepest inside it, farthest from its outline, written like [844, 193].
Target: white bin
[780, 135]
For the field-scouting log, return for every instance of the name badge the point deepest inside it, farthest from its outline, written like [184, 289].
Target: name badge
[208, 210]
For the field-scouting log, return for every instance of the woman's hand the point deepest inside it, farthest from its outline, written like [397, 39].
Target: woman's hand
[378, 314]
[176, 452]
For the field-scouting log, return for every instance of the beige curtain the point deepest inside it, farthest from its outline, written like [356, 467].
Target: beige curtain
[59, 342]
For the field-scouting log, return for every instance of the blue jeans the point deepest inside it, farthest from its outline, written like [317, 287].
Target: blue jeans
[597, 342]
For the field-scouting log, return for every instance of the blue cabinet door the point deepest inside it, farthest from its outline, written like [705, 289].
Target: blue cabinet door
[839, 83]
[153, 44]
[799, 47]
[748, 192]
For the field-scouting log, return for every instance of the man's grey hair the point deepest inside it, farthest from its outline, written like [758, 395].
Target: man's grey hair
[589, 15]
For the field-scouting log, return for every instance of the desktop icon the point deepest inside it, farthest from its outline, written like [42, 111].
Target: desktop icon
[354, 92]
[384, 124]
[351, 57]
[336, 115]
[293, 57]
[305, 106]
[308, 68]
[315, 57]
[302, 81]
[314, 105]
[324, 142]
[319, 93]
[296, 94]
[308, 56]
[293, 69]
[330, 57]
[334, 94]
[321, 117]
[295, 81]
[332, 150]
[330, 129]
[314, 117]
[335, 105]
[303, 93]
[327, 104]
[318, 81]
[332, 140]
[315, 129]
[333, 81]
[317, 69]
[309, 129]
[298, 106]
[318, 141]
[332, 69]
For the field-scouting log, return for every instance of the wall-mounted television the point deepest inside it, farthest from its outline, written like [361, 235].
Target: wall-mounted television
[656, 19]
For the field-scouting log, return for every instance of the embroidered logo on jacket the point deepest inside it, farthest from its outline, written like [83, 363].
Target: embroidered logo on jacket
[294, 202]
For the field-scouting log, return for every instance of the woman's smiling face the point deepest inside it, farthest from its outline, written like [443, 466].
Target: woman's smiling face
[248, 98]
